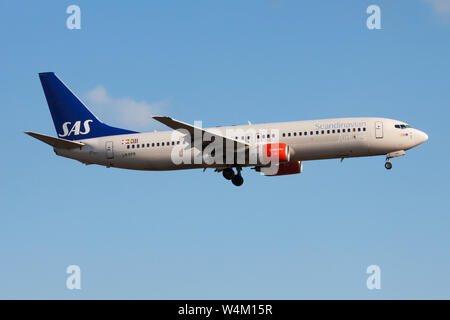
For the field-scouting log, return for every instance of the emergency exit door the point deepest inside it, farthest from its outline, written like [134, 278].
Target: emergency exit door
[378, 129]
[109, 150]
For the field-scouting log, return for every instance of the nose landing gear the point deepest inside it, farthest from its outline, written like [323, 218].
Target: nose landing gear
[395, 154]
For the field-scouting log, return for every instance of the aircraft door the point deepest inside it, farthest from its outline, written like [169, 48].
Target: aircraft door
[109, 150]
[378, 129]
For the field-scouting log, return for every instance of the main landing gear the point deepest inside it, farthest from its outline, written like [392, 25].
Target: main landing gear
[236, 178]
[228, 173]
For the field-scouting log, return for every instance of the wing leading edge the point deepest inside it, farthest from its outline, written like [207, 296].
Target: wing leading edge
[197, 131]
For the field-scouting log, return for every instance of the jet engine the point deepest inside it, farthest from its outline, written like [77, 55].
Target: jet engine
[282, 168]
[279, 152]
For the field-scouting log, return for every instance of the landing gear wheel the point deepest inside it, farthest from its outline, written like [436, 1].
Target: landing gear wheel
[388, 165]
[228, 173]
[237, 180]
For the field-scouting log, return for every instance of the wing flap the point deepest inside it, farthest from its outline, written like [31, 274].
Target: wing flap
[55, 142]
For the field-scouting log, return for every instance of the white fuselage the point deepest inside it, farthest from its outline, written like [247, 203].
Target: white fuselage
[309, 140]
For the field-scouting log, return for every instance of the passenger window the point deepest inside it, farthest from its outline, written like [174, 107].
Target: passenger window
[153, 144]
[143, 145]
[148, 145]
[334, 131]
[132, 146]
[323, 131]
[364, 129]
[354, 129]
[258, 136]
[162, 144]
[359, 129]
[284, 134]
[311, 133]
[306, 133]
[137, 146]
[128, 146]
[178, 142]
[338, 130]
[295, 134]
[173, 143]
[299, 133]
[268, 136]
[317, 132]
[273, 135]
[157, 144]
[289, 134]
[328, 131]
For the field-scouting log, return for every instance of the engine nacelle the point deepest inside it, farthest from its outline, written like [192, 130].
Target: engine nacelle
[264, 154]
[282, 168]
[280, 152]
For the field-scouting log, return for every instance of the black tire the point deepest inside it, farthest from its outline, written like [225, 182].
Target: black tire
[388, 165]
[237, 180]
[228, 173]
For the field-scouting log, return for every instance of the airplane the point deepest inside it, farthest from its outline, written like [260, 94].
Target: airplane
[83, 137]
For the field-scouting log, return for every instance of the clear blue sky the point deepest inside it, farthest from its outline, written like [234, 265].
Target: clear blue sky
[191, 234]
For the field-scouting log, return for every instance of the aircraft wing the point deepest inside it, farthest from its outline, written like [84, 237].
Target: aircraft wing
[196, 131]
[55, 142]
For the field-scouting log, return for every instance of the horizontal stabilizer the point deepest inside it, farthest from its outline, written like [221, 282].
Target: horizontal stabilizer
[55, 142]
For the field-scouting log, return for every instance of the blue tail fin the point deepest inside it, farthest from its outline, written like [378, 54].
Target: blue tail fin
[73, 121]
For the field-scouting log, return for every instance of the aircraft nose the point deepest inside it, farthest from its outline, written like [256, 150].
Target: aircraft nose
[421, 137]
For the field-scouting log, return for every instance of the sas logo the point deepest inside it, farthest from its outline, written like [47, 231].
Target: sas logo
[75, 129]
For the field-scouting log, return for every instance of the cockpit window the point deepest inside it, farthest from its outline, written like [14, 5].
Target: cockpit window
[402, 126]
